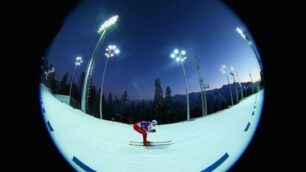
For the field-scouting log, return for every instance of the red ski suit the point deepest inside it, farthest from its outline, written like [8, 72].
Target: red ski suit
[143, 127]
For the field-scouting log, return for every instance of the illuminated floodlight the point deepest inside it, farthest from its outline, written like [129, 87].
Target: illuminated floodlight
[78, 61]
[244, 35]
[91, 63]
[223, 71]
[180, 57]
[234, 75]
[241, 32]
[110, 51]
[172, 55]
[111, 21]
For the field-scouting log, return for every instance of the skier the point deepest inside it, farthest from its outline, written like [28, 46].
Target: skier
[143, 127]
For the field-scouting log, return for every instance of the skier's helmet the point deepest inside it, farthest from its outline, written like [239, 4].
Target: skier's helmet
[154, 122]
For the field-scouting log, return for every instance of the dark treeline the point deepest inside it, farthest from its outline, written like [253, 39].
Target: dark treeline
[165, 108]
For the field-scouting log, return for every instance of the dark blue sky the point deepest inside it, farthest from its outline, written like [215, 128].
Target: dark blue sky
[146, 34]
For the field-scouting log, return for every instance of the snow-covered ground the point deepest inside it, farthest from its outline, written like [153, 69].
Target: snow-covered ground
[214, 142]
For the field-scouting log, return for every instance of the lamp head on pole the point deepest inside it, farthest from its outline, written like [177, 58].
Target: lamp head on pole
[223, 69]
[108, 23]
[243, 35]
[78, 61]
[179, 56]
[51, 70]
[233, 71]
[111, 51]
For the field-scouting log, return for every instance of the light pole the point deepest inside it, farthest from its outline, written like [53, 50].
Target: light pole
[180, 57]
[233, 73]
[202, 86]
[244, 35]
[111, 50]
[241, 87]
[223, 71]
[252, 83]
[90, 66]
[78, 62]
[48, 73]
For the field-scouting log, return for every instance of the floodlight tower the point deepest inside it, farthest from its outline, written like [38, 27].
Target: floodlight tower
[102, 31]
[111, 51]
[237, 75]
[47, 73]
[233, 73]
[180, 57]
[244, 35]
[202, 86]
[251, 82]
[223, 71]
[78, 62]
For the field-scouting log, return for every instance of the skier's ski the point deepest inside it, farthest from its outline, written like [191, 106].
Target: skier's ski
[167, 141]
[151, 143]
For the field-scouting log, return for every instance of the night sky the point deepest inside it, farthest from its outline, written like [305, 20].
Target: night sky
[146, 34]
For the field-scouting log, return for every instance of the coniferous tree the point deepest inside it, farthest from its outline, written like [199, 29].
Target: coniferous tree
[51, 82]
[96, 104]
[74, 94]
[117, 105]
[48, 77]
[132, 111]
[104, 105]
[44, 68]
[143, 112]
[64, 88]
[168, 105]
[123, 101]
[176, 112]
[91, 98]
[158, 100]
[81, 81]
[138, 112]
[109, 107]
